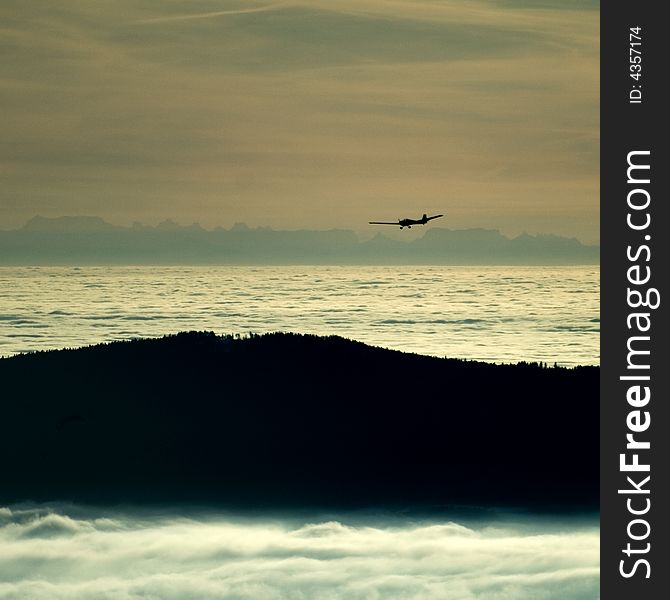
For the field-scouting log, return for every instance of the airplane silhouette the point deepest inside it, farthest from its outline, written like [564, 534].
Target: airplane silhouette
[407, 222]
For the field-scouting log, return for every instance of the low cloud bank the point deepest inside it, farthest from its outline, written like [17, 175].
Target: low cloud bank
[71, 552]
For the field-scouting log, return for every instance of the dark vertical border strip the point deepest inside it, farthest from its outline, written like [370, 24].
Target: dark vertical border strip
[628, 127]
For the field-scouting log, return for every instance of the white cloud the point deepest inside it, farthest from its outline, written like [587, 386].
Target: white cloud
[211, 14]
[73, 553]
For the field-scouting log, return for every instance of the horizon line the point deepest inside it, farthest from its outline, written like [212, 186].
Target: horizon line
[243, 225]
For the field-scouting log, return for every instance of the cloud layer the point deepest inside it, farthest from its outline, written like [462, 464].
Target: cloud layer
[73, 553]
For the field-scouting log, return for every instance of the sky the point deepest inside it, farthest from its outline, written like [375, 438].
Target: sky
[317, 114]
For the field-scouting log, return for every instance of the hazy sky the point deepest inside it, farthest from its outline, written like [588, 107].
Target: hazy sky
[317, 114]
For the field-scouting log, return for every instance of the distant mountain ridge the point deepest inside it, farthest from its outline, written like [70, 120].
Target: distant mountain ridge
[91, 240]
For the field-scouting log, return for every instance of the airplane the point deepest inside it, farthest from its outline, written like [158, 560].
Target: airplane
[407, 222]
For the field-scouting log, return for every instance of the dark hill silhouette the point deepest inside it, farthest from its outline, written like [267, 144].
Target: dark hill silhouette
[294, 420]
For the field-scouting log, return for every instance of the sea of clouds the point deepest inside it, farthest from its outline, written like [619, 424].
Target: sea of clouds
[68, 552]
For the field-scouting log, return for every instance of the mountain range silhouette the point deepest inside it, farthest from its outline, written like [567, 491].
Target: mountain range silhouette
[91, 240]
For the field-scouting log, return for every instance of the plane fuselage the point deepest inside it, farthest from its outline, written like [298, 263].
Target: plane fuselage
[410, 222]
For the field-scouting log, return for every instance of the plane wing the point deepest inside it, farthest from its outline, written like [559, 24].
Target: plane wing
[434, 217]
[383, 223]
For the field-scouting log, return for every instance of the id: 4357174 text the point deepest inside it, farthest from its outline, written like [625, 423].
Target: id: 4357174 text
[635, 60]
